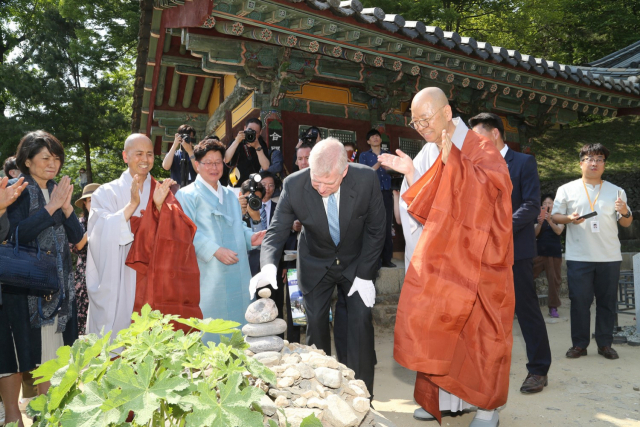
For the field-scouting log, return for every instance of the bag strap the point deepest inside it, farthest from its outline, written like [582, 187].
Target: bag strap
[60, 285]
[16, 249]
[55, 311]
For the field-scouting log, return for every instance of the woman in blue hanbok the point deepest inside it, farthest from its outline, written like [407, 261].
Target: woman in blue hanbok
[222, 239]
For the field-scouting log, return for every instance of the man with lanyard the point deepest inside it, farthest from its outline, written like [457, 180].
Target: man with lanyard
[370, 158]
[180, 159]
[592, 249]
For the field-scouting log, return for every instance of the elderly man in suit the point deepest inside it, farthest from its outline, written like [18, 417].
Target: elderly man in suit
[525, 201]
[340, 207]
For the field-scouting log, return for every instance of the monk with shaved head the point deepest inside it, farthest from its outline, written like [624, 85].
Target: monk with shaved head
[140, 246]
[455, 313]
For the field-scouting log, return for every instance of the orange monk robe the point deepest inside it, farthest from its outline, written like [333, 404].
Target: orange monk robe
[164, 258]
[455, 313]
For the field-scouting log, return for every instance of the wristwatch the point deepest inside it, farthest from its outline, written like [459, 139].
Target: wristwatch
[192, 157]
[627, 215]
[259, 149]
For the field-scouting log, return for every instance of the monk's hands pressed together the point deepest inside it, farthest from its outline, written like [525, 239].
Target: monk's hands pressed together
[446, 146]
[226, 256]
[11, 193]
[59, 196]
[257, 238]
[161, 192]
[136, 189]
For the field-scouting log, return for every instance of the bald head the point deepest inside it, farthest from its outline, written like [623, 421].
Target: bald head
[431, 114]
[138, 154]
[134, 139]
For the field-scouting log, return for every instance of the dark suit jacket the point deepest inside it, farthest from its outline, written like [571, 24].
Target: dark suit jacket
[525, 202]
[362, 227]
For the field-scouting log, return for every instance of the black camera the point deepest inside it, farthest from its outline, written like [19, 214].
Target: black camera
[254, 202]
[310, 136]
[249, 135]
[396, 180]
[185, 137]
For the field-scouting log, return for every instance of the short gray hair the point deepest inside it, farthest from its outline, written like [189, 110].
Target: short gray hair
[327, 156]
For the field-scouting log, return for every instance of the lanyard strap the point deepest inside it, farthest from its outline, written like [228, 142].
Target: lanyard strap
[589, 198]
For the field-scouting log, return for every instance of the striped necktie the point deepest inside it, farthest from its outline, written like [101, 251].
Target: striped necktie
[263, 215]
[334, 219]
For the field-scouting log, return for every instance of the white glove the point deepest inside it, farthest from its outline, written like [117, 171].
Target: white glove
[366, 289]
[267, 276]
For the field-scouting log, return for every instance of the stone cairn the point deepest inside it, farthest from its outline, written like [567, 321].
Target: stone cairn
[308, 381]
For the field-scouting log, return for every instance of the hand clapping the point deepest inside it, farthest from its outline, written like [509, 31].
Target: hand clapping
[161, 192]
[9, 194]
[60, 197]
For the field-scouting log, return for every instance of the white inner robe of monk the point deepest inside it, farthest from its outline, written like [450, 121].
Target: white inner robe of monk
[111, 285]
[412, 229]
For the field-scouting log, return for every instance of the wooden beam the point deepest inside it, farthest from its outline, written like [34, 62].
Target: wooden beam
[160, 87]
[204, 94]
[175, 85]
[188, 91]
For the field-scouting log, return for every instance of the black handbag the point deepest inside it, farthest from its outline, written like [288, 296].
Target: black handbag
[30, 269]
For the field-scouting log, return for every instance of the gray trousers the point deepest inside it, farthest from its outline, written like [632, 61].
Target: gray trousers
[588, 280]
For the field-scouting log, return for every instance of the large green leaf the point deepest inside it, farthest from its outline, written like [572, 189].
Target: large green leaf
[46, 371]
[85, 409]
[311, 421]
[231, 409]
[142, 389]
[212, 326]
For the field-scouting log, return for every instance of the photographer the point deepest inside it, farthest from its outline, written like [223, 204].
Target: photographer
[180, 159]
[247, 154]
[252, 217]
[309, 139]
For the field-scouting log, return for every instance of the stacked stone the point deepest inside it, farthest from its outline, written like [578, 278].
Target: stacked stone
[261, 333]
[309, 381]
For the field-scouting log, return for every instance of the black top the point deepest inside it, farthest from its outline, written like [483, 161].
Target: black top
[549, 242]
[176, 167]
[246, 160]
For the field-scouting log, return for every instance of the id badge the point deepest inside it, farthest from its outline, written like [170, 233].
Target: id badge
[595, 226]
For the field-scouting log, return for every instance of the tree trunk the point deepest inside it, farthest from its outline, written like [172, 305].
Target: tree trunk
[144, 34]
[87, 156]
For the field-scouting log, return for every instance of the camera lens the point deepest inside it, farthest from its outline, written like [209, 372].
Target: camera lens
[255, 203]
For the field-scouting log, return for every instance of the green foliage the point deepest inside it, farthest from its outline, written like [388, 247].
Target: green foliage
[557, 150]
[162, 375]
[568, 31]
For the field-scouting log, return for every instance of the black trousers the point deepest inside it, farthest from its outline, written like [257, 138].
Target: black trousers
[360, 349]
[387, 250]
[586, 281]
[534, 329]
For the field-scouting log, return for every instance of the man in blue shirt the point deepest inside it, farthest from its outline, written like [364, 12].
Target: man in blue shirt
[182, 149]
[370, 158]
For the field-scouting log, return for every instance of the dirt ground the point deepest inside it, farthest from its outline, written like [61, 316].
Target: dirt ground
[590, 391]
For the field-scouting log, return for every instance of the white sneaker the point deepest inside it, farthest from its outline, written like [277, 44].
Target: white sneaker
[422, 415]
[493, 422]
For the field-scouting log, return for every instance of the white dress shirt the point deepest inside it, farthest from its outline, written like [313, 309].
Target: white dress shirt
[504, 150]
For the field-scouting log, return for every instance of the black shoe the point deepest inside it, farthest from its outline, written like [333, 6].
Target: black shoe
[388, 264]
[608, 353]
[534, 384]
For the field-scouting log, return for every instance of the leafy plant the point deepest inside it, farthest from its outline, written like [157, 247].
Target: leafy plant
[163, 377]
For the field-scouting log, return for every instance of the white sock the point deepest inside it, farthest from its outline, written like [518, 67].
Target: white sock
[484, 415]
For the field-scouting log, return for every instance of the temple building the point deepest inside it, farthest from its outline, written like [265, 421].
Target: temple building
[345, 69]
